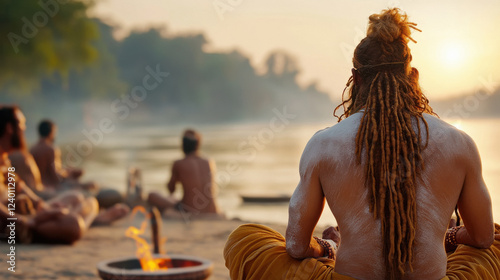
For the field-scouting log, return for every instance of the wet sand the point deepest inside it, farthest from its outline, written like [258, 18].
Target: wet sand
[203, 238]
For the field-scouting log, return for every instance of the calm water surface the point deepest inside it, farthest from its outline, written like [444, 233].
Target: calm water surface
[249, 158]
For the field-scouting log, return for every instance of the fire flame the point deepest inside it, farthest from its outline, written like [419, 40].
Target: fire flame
[143, 253]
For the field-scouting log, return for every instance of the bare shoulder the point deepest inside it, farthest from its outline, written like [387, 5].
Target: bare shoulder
[178, 163]
[188, 159]
[205, 159]
[34, 148]
[332, 142]
[210, 163]
[43, 148]
[344, 131]
[447, 137]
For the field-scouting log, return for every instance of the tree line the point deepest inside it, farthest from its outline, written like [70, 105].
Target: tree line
[54, 55]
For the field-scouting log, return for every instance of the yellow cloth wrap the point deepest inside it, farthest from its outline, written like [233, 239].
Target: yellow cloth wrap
[470, 263]
[257, 252]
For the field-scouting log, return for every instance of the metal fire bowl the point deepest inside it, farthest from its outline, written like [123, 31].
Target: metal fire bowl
[129, 268]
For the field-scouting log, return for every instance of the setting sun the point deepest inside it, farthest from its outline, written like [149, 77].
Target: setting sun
[453, 54]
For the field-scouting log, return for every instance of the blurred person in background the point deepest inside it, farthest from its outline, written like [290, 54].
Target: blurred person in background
[196, 174]
[62, 219]
[48, 159]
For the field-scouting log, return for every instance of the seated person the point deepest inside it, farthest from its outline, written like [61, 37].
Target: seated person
[63, 219]
[48, 160]
[27, 169]
[392, 174]
[196, 174]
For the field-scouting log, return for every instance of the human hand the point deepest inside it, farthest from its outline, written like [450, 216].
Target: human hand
[332, 233]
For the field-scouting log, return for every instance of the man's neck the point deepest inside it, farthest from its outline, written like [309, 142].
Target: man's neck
[47, 140]
[193, 154]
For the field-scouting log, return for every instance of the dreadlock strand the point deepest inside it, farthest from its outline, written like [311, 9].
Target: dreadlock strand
[404, 219]
[398, 198]
[387, 142]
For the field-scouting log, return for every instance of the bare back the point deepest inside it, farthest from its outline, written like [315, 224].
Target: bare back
[48, 161]
[27, 169]
[446, 163]
[196, 176]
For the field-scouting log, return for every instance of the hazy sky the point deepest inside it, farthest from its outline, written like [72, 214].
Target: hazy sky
[457, 50]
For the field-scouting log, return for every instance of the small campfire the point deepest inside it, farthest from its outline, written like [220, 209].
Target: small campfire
[146, 265]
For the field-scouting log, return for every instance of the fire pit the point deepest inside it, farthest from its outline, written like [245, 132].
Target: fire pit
[172, 267]
[157, 266]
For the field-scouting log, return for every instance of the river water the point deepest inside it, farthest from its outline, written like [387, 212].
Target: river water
[250, 158]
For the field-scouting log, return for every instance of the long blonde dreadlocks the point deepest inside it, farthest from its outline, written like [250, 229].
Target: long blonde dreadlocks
[386, 87]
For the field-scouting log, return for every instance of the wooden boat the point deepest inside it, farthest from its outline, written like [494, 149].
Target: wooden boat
[265, 198]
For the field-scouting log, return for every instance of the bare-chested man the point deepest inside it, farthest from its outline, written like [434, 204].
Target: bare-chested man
[48, 160]
[392, 174]
[196, 174]
[27, 169]
[63, 219]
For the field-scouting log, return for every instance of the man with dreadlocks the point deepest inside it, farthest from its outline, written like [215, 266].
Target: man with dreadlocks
[392, 173]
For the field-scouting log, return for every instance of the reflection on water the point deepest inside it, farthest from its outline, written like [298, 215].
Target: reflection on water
[249, 157]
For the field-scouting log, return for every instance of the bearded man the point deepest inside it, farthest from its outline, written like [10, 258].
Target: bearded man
[62, 219]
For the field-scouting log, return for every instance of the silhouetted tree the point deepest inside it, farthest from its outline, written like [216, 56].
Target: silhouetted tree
[43, 38]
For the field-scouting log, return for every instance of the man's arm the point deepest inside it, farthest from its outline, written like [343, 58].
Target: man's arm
[173, 178]
[54, 160]
[213, 170]
[37, 201]
[474, 204]
[306, 206]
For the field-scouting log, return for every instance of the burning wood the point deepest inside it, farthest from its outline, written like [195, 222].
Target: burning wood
[143, 252]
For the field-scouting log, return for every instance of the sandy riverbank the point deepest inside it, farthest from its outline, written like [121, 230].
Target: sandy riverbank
[203, 238]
